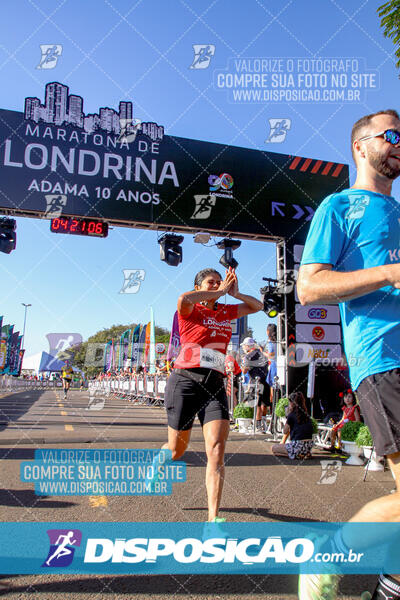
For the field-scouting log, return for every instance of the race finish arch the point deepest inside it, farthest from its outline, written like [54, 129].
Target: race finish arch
[55, 160]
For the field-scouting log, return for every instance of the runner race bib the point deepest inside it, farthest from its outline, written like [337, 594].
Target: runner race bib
[212, 359]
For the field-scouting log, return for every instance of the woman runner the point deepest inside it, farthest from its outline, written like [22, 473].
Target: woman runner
[196, 386]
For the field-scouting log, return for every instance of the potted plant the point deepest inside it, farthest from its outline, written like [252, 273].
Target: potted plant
[364, 441]
[314, 429]
[244, 415]
[349, 435]
[280, 407]
[280, 413]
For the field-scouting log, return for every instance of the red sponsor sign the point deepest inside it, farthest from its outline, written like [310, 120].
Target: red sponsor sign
[318, 333]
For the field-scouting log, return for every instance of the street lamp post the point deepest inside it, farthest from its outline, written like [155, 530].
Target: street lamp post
[23, 334]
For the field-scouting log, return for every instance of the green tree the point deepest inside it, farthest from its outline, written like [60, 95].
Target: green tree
[390, 23]
[93, 347]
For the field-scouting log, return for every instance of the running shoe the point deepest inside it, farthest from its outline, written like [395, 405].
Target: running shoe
[152, 481]
[213, 529]
[318, 587]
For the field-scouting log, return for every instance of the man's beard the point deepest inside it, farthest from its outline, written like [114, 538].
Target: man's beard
[382, 165]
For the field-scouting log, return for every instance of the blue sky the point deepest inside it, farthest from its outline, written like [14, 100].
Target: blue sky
[142, 51]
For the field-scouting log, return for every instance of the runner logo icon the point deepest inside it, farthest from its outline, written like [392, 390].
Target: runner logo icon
[55, 204]
[62, 542]
[278, 130]
[50, 55]
[132, 280]
[204, 204]
[203, 54]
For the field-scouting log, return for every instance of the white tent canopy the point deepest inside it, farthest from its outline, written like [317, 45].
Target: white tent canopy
[42, 362]
[32, 363]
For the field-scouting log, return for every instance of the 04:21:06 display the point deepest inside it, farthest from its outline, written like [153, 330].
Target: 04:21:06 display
[77, 226]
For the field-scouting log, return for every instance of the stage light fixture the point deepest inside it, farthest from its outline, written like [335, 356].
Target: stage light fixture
[8, 236]
[201, 237]
[170, 249]
[273, 305]
[228, 246]
[273, 297]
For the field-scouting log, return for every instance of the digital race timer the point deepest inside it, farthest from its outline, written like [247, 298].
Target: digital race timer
[78, 226]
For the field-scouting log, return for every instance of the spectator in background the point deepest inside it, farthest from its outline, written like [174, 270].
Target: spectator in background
[351, 412]
[255, 364]
[232, 366]
[299, 427]
[270, 353]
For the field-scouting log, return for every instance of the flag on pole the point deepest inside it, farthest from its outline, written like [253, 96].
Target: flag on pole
[174, 340]
[123, 348]
[112, 355]
[17, 339]
[20, 360]
[142, 338]
[14, 345]
[5, 349]
[108, 351]
[147, 343]
[152, 368]
[135, 345]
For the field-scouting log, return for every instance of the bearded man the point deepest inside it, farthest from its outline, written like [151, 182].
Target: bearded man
[352, 257]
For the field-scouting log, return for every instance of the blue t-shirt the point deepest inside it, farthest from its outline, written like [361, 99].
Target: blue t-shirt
[352, 230]
[272, 371]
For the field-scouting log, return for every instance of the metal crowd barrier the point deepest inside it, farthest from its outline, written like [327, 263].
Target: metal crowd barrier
[139, 389]
[150, 389]
[8, 383]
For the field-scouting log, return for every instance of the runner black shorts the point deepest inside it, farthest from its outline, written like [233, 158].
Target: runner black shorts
[185, 398]
[379, 398]
[264, 398]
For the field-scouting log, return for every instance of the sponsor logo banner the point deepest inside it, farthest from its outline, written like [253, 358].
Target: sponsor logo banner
[56, 159]
[326, 334]
[198, 548]
[320, 353]
[317, 314]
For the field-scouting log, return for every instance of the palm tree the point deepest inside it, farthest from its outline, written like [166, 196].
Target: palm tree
[390, 22]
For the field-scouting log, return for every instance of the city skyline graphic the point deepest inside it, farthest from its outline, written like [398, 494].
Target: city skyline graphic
[61, 108]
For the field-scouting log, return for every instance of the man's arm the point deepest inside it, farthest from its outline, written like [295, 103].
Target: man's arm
[318, 283]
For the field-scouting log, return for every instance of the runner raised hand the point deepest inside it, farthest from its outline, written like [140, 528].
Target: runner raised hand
[226, 285]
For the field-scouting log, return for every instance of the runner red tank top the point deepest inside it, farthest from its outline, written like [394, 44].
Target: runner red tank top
[205, 335]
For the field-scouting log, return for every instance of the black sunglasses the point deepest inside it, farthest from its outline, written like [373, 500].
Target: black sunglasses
[390, 135]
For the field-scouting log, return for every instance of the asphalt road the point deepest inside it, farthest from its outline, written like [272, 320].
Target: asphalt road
[258, 487]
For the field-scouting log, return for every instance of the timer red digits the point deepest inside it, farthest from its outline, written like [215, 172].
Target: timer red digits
[79, 226]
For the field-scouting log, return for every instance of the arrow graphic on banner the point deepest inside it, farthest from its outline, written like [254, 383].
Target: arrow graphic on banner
[300, 212]
[276, 208]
